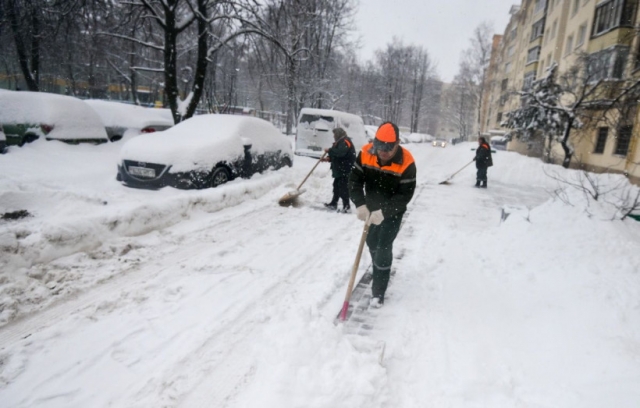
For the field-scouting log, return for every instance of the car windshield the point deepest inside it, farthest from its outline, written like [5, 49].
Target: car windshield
[308, 118]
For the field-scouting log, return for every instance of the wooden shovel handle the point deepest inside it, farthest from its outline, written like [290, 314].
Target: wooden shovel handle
[354, 270]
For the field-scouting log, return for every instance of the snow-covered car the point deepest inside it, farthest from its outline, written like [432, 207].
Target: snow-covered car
[3, 140]
[28, 116]
[315, 126]
[499, 142]
[121, 119]
[439, 143]
[203, 151]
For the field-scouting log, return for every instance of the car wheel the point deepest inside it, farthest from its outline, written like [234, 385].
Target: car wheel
[220, 175]
[286, 162]
[28, 139]
[116, 138]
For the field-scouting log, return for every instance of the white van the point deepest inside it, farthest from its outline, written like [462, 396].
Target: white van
[314, 130]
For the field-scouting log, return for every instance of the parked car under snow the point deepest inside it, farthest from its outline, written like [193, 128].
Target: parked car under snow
[203, 151]
[121, 119]
[3, 140]
[28, 116]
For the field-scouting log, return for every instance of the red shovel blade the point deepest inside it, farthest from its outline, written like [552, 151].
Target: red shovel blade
[343, 312]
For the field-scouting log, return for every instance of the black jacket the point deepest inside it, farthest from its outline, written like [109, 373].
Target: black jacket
[389, 187]
[483, 156]
[342, 155]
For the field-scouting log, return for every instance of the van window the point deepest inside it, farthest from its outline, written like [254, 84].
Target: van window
[314, 118]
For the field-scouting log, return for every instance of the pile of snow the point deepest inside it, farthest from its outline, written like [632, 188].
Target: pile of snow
[70, 117]
[418, 138]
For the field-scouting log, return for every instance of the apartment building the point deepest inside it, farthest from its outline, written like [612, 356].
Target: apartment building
[565, 32]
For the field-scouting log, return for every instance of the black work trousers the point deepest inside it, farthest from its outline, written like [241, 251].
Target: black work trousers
[341, 191]
[380, 242]
[481, 175]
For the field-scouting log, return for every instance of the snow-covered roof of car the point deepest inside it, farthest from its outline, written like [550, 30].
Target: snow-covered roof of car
[205, 140]
[70, 117]
[130, 116]
[329, 112]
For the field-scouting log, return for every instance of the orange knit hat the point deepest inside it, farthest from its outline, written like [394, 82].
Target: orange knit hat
[386, 137]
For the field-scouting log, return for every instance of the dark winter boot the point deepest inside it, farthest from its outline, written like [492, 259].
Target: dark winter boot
[477, 183]
[484, 184]
[331, 206]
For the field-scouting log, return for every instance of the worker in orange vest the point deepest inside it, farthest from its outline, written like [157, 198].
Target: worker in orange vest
[381, 185]
[341, 155]
[483, 162]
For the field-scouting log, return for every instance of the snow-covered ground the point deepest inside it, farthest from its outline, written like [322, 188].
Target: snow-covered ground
[111, 296]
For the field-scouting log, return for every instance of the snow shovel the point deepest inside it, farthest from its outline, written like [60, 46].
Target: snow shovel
[354, 271]
[450, 177]
[290, 198]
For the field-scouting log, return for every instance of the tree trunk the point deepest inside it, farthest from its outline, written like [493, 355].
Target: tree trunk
[201, 64]
[291, 93]
[23, 58]
[170, 64]
[568, 151]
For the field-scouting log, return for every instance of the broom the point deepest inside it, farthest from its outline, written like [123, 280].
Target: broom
[450, 177]
[290, 198]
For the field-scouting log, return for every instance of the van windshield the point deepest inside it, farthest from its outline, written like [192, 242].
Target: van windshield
[307, 118]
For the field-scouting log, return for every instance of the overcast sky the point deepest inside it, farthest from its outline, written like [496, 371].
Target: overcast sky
[443, 27]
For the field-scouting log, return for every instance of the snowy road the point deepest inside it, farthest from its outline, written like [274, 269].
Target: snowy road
[220, 298]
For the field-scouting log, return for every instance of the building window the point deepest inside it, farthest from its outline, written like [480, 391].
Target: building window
[537, 29]
[582, 33]
[504, 84]
[569, 46]
[601, 142]
[510, 51]
[553, 30]
[507, 67]
[499, 118]
[514, 32]
[613, 14]
[539, 6]
[528, 80]
[576, 6]
[607, 64]
[623, 140]
[533, 55]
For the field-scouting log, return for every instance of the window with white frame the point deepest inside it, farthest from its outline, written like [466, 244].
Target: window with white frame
[507, 67]
[553, 30]
[510, 51]
[569, 46]
[613, 14]
[582, 34]
[601, 140]
[537, 29]
[623, 140]
[539, 6]
[607, 64]
[533, 55]
[528, 80]
[576, 6]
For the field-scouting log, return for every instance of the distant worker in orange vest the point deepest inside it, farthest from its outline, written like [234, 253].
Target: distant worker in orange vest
[341, 155]
[483, 162]
[381, 185]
